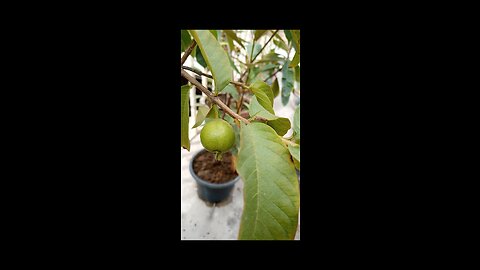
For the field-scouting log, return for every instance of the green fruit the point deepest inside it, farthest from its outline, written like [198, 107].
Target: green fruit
[217, 136]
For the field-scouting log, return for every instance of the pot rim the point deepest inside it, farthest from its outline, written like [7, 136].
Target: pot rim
[206, 183]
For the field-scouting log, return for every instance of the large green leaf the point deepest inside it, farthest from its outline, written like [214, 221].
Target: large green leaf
[259, 33]
[287, 83]
[201, 114]
[296, 124]
[264, 94]
[275, 88]
[271, 190]
[184, 110]
[230, 34]
[215, 56]
[280, 124]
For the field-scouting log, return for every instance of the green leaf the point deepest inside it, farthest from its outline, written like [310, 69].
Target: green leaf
[186, 40]
[259, 33]
[229, 119]
[214, 33]
[280, 43]
[212, 113]
[275, 88]
[287, 83]
[267, 67]
[201, 114]
[199, 57]
[215, 56]
[295, 61]
[294, 151]
[296, 124]
[236, 146]
[252, 74]
[230, 34]
[296, 44]
[297, 164]
[264, 94]
[296, 39]
[256, 109]
[297, 73]
[288, 34]
[271, 57]
[271, 190]
[233, 65]
[184, 110]
[230, 43]
[256, 50]
[280, 124]
[231, 90]
[293, 36]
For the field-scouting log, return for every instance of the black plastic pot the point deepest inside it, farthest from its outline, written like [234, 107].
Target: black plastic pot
[211, 192]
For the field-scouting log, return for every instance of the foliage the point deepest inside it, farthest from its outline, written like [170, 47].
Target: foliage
[251, 71]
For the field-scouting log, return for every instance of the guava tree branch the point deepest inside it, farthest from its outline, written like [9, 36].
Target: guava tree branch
[274, 33]
[212, 97]
[188, 52]
[240, 102]
[211, 77]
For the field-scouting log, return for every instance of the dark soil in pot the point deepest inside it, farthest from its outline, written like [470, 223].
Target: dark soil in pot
[213, 171]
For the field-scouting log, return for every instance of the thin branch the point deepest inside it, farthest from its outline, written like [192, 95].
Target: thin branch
[240, 102]
[274, 33]
[211, 77]
[211, 97]
[240, 61]
[273, 74]
[228, 104]
[245, 72]
[188, 52]
[198, 72]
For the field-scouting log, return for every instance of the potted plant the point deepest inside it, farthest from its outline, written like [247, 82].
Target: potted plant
[241, 131]
[215, 178]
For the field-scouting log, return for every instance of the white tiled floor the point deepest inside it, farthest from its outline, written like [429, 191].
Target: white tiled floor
[200, 221]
